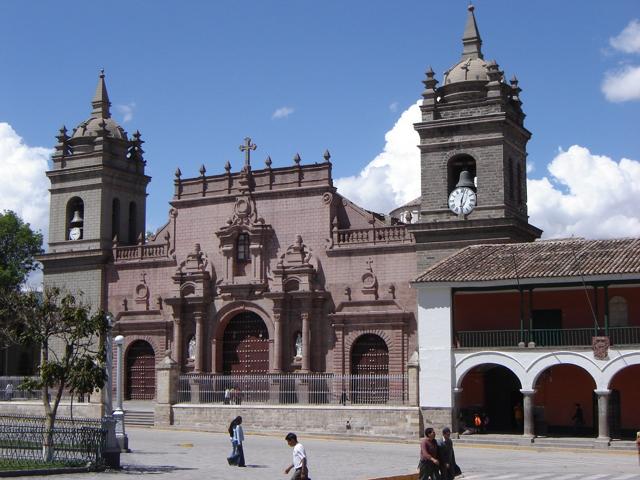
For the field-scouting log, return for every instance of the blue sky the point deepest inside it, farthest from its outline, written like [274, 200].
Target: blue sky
[197, 77]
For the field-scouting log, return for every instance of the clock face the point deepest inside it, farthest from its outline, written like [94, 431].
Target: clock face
[462, 200]
[75, 233]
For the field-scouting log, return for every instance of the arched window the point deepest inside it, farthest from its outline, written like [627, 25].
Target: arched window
[74, 224]
[133, 222]
[618, 312]
[513, 178]
[242, 248]
[115, 218]
[519, 183]
[455, 166]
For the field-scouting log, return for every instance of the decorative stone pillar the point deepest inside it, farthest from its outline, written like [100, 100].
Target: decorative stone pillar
[199, 360]
[603, 415]
[277, 343]
[527, 407]
[306, 337]
[413, 370]
[167, 380]
[177, 341]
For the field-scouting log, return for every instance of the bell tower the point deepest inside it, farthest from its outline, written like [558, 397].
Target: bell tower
[472, 135]
[98, 193]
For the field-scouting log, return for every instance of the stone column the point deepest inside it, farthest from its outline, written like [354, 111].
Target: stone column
[199, 363]
[167, 380]
[177, 341]
[455, 411]
[603, 414]
[306, 337]
[413, 371]
[277, 343]
[527, 410]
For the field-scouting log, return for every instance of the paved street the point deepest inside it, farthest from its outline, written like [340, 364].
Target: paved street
[201, 455]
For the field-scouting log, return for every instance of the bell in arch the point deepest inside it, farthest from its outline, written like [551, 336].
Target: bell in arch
[77, 218]
[465, 180]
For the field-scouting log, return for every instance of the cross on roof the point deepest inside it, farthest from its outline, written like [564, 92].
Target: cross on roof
[246, 147]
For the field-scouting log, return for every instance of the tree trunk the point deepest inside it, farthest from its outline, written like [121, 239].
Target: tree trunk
[47, 443]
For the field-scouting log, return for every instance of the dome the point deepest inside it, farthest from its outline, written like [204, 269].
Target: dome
[470, 69]
[91, 127]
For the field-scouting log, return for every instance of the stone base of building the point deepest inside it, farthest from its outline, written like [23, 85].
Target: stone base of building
[34, 408]
[398, 422]
[435, 417]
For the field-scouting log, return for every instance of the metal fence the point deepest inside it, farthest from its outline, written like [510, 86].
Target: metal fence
[76, 442]
[287, 389]
[15, 393]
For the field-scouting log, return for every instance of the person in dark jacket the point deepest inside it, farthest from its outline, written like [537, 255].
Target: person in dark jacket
[447, 456]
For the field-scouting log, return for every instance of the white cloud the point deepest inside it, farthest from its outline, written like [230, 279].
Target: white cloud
[628, 40]
[586, 195]
[583, 194]
[126, 110]
[393, 177]
[282, 112]
[23, 183]
[622, 85]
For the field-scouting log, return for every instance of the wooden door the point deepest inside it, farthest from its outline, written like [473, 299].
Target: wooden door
[141, 372]
[245, 345]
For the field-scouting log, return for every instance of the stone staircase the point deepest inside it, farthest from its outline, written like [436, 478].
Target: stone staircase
[138, 418]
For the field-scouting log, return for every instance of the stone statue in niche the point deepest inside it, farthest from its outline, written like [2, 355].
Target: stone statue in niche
[192, 348]
[298, 345]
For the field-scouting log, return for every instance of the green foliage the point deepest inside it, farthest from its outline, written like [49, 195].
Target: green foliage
[18, 246]
[70, 337]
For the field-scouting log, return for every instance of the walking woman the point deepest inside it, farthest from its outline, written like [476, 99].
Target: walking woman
[236, 435]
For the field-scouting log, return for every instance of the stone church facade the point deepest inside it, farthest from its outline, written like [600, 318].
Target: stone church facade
[270, 270]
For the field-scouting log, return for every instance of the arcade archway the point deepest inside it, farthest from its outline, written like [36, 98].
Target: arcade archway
[140, 372]
[624, 415]
[493, 392]
[565, 402]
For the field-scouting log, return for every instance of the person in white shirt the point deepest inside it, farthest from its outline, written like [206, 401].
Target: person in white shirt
[300, 465]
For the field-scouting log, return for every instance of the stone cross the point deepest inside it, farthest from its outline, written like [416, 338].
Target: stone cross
[246, 147]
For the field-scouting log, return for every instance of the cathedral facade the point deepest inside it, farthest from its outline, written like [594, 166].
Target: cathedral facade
[272, 270]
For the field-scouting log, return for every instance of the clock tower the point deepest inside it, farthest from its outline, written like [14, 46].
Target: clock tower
[472, 135]
[98, 193]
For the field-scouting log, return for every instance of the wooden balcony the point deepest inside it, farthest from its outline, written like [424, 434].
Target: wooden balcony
[566, 337]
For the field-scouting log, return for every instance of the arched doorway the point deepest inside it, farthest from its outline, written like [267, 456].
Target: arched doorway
[369, 370]
[565, 402]
[141, 372]
[245, 345]
[493, 392]
[624, 415]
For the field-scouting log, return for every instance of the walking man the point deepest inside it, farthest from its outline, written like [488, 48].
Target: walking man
[300, 466]
[429, 465]
[447, 456]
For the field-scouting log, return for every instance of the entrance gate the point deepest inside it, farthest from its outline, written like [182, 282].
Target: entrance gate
[370, 366]
[141, 372]
[245, 345]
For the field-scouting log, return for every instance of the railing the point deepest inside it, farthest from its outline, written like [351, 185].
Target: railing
[565, 337]
[286, 389]
[139, 252]
[15, 393]
[373, 236]
[74, 443]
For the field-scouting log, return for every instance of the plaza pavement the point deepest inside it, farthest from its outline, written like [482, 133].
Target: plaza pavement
[178, 454]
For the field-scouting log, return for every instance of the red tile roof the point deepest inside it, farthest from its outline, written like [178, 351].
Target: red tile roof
[540, 259]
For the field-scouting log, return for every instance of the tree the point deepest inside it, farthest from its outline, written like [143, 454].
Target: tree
[71, 341]
[18, 246]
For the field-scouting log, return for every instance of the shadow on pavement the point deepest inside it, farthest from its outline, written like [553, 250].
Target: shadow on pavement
[145, 469]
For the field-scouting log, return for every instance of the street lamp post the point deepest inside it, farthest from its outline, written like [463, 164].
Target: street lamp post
[112, 451]
[118, 413]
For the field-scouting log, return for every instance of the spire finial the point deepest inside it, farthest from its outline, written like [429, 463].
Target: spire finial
[100, 102]
[471, 40]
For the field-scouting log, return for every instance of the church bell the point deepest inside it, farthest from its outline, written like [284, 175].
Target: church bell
[77, 219]
[465, 180]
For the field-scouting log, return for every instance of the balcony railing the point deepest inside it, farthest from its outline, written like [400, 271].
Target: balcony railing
[140, 252]
[566, 337]
[371, 236]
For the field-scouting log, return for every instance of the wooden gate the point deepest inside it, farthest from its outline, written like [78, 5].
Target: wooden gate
[370, 366]
[141, 372]
[245, 345]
